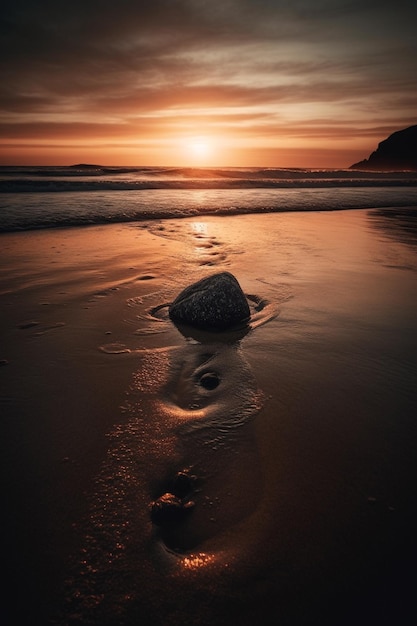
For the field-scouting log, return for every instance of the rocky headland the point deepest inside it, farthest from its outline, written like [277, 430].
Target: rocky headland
[397, 152]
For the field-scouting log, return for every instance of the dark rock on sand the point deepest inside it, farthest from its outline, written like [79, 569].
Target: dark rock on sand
[183, 483]
[213, 303]
[397, 152]
[174, 504]
[169, 508]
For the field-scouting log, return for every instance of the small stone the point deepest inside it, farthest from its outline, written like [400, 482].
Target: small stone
[183, 483]
[169, 509]
[213, 303]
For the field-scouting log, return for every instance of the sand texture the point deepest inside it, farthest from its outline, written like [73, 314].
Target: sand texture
[302, 499]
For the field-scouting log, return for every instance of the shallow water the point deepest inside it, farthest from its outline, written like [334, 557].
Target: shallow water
[28, 211]
[42, 197]
[303, 454]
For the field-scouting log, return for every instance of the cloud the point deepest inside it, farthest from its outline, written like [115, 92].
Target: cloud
[258, 66]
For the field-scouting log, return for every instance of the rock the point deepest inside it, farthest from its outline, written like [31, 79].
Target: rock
[183, 483]
[85, 166]
[213, 303]
[397, 152]
[168, 509]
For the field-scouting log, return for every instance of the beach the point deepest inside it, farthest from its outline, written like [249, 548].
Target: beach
[303, 458]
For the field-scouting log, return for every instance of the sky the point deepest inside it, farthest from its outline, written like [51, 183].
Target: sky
[270, 83]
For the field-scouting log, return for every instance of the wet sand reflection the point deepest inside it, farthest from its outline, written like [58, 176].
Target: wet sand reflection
[399, 224]
[189, 412]
[209, 399]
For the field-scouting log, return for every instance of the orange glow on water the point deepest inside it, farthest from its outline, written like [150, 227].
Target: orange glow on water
[197, 561]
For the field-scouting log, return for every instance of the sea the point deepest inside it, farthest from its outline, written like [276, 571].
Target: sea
[34, 197]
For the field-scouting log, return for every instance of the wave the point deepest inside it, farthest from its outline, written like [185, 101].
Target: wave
[29, 211]
[43, 197]
[90, 177]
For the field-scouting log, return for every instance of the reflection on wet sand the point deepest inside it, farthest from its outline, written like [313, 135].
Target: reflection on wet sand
[209, 397]
[399, 224]
[187, 441]
[209, 385]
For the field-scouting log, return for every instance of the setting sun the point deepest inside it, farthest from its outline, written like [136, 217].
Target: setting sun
[200, 148]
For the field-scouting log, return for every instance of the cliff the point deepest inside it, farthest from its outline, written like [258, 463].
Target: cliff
[397, 152]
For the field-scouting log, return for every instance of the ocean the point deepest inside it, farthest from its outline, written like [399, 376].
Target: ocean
[45, 197]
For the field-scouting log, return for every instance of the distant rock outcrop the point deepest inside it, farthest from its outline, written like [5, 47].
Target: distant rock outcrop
[397, 152]
[85, 166]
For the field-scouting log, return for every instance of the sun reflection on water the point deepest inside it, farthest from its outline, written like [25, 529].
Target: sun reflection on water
[199, 228]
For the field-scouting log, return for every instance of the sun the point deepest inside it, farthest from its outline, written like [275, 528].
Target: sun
[200, 149]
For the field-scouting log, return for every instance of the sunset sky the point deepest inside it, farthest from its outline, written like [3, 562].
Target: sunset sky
[295, 83]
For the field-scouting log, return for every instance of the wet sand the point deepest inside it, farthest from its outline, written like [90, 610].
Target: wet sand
[303, 457]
